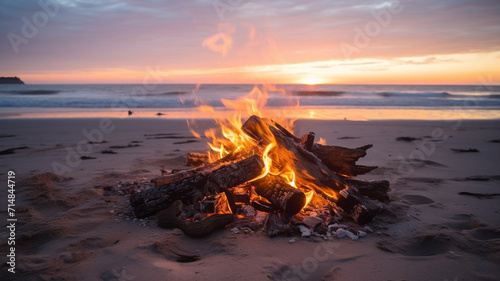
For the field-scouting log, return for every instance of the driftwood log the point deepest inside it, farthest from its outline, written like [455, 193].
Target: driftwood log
[376, 190]
[192, 189]
[206, 168]
[311, 169]
[282, 195]
[340, 160]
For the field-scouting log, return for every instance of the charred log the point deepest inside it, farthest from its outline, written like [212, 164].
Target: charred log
[241, 193]
[342, 160]
[359, 208]
[282, 195]
[264, 206]
[169, 218]
[276, 224]
[361, 170]
[311, 169]
[233, 156]
[307, 141]
[376, 190]
[192, 189]
[165, 179]
[308, 166]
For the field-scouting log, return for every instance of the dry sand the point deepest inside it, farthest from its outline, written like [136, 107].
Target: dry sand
[75, 227]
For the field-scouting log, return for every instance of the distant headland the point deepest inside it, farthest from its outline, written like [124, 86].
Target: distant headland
[10, 80]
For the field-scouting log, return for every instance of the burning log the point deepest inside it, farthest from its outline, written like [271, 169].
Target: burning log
[359, 208]
[310, 168]
[340, 160]
[207, 168]
[264, 131]
[192, 189]
[282, 195]
[263, 206]
[241, 194]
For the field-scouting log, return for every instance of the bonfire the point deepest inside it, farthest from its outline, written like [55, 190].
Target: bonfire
[260, 174]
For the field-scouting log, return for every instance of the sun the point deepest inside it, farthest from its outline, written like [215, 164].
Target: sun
[311, 81]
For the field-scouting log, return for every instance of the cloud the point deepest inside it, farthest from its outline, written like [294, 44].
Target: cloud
[427, 60]
[133, 34]
[220, 42]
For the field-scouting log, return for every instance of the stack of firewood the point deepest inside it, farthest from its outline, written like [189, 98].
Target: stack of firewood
[323, 169]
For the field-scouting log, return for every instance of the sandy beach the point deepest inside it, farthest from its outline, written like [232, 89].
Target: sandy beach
[443, 222]
[335, 140]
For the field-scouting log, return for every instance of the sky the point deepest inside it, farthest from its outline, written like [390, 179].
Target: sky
[240, 41]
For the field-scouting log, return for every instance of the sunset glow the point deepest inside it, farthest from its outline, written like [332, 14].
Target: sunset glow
[348, 42]
[311, 81]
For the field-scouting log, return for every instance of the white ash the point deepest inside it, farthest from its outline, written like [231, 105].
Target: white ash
[306, 232]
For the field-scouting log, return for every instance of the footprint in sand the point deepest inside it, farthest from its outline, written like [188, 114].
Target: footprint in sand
[425, 245]
[484, 241]
[463, 222]
[485, 233]
[416, 199]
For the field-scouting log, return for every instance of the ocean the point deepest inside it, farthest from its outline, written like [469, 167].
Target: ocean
[358, 102]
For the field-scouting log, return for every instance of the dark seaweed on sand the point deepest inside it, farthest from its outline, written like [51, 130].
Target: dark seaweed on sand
[183, 142]
[123, 146]
[407, 139]
[87, 157]
[480, 195]
[6, 136]
[11, 150]
[464, 150]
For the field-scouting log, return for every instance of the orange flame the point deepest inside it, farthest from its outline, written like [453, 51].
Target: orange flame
[191, 124]
[228, 137]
